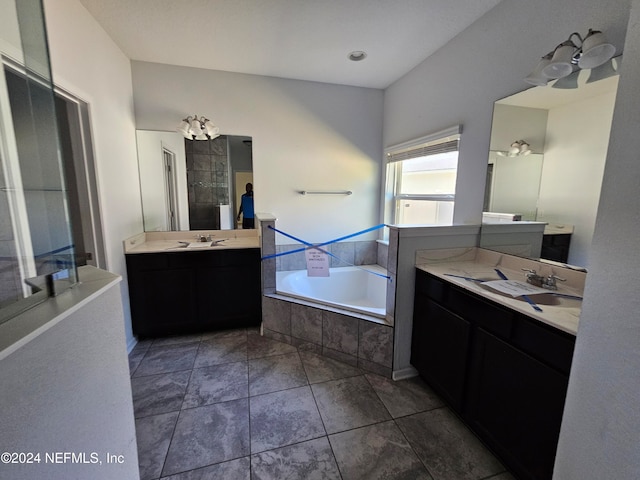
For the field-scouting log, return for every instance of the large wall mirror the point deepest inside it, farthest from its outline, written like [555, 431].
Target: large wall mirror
[566, 127]
[192, 184]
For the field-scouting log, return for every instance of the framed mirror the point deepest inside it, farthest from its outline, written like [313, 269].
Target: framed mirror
[566, 126]
[192, 184]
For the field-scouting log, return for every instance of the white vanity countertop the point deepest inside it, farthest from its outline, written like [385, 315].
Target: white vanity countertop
[156, 242]
[477, 263]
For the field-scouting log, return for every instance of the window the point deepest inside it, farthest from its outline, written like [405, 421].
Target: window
[421, 180]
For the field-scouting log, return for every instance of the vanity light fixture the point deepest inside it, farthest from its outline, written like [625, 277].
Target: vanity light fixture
[519, 148]
[590, 52]
[198, 128]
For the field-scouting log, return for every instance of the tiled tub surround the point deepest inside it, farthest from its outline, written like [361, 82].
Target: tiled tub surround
[349, 339]
[357, 339]
[559, 312]
[347, 253]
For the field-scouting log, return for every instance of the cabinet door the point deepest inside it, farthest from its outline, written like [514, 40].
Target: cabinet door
[516, 405]
[439, 349]
[163, 302]
[230, 294]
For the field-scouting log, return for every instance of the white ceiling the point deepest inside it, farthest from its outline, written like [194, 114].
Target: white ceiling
[299, 39]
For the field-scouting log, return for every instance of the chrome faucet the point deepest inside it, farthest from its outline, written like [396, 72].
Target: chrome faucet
[548, 282]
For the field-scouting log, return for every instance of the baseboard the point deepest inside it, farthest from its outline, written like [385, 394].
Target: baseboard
[404, 373]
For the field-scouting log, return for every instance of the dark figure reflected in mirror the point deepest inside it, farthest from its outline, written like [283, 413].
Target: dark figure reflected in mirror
[246, 208]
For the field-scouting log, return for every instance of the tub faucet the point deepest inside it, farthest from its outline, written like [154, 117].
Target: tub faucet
[548, 282]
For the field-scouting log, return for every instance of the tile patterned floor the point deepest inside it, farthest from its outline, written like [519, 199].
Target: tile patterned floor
[234, 405]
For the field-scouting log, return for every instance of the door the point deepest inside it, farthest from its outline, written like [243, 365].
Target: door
[80, 178]
[170, 183]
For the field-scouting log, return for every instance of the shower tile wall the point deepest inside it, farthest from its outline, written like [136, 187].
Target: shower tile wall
[208, 181]
[347, 253]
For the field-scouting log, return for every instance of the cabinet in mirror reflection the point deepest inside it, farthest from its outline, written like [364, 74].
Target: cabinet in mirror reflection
[559, 182]
[192, 184]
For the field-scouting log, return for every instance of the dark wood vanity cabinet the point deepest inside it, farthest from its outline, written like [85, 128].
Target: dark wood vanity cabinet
[556, 247]
[504, 374]
[186, 292]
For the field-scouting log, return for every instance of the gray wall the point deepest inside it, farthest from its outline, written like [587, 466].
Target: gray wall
[306, 136]
[68, 390]
[600, 432]
[459, 84]
[486, 62]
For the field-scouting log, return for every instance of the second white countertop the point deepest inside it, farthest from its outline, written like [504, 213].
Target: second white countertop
[559, 311]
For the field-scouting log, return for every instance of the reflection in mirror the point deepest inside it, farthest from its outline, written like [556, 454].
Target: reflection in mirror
[192, 184]
[559, 182]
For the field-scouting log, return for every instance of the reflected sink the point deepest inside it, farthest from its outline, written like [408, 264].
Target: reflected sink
[551, 299]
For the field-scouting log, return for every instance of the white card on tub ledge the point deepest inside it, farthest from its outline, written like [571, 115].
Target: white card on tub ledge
[514, 288]
[317, 262]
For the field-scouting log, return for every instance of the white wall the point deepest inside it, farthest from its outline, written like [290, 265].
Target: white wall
[600, 430]
[306, 136]
[68, 390]
[152, 178]
[86, 62]
[574, 158]
[511, 123]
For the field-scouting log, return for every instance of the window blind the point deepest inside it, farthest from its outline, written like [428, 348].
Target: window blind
[424, 150]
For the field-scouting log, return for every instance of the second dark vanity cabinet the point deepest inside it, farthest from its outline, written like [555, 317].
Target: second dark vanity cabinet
[186, 292]
[505, 374]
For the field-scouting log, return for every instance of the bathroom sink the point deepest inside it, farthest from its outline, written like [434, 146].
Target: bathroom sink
[552, 298]
[199, 244]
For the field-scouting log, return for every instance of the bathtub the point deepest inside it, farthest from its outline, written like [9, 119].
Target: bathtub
[348, 288]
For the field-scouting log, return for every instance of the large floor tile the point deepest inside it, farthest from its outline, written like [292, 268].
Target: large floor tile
[141, 346]
[348, 403]
[284, 418]
[270, 374]
[217, 351]
[170, 358]
[217, 383]
[447, 447]
[175, 340]
[134, 361]
[322, 369]
[160, 393]
[259, 346]
[376, 452]
[153, 435]
[207, 435]
[217, 334]
[404, 397]
[310, 460]
[502, 476]
[239, 469]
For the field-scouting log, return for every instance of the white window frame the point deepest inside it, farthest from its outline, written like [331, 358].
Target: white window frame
[397, 153]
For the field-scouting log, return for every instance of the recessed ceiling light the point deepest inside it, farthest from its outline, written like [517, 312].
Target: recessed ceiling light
[357, 55]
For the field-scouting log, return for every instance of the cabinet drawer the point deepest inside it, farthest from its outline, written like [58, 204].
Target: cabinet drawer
[215, 258]
[493, 318]
[430, 286]
[147, 261]
[547, 344]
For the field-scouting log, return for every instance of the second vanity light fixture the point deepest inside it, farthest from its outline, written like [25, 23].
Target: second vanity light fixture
[519, 148]
[198, 128]
[590, 52]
